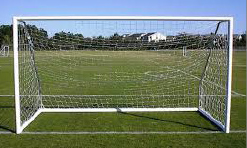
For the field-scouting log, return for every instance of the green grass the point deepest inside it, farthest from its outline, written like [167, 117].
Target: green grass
[239, 72]
[168, 121]
[113, 73]
[122, 141]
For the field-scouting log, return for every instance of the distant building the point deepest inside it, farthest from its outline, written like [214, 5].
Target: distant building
[153, 36]
[135, 36]
[125, 35]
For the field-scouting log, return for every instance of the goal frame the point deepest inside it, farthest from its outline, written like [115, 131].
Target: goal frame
[19, 127]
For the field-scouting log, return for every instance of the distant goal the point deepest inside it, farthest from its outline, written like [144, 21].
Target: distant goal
[4, 51]
[123, 64]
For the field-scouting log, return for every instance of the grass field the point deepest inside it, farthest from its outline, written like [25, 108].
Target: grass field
[189, 123]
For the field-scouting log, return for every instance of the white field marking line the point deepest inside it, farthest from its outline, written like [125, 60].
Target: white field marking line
[235, 95]
[204, 80]
[7, 95]
[117, 95]
[234, 92]
[239, 65]
[5, 132]
[182, 72]
[74, 55]
[114, 132]
[127, 133]
[193, 76]
[101, 55]
[238, 94]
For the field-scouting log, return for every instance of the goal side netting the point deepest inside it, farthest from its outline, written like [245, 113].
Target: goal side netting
[126, 65]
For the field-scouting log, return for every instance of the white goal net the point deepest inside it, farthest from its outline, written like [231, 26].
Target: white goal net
[107, 64]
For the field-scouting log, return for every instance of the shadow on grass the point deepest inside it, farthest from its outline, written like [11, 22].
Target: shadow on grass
[7, 118]
[171, 121]
[7, 121]
[7, 128]
[219, 129]
[2, 107]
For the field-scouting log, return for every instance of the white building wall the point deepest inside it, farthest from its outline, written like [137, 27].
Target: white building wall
[156, 37]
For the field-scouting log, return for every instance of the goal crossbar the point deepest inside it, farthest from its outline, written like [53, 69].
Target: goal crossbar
[166, 18]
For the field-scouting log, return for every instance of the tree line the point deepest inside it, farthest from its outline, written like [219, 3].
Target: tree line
[67, 40]
[240, 42]
[6, 35]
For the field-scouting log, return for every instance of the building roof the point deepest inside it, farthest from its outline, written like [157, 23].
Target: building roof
[148, 34]
[135, 35]
[127, 34]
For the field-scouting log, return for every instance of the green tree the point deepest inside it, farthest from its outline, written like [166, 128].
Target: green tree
[241, 42]
[6, 34]
[115, 36]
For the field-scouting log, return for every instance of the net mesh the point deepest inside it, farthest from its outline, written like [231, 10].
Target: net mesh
[123, 64]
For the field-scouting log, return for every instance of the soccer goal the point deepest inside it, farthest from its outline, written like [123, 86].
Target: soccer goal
[123, 64]
[4, 52]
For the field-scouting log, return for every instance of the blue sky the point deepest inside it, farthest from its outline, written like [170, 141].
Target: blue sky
[235, 8]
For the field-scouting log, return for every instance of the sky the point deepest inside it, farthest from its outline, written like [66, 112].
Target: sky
[234, 8]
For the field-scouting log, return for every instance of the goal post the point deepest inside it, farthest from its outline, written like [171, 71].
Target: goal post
[184, 51]
[108, 64]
